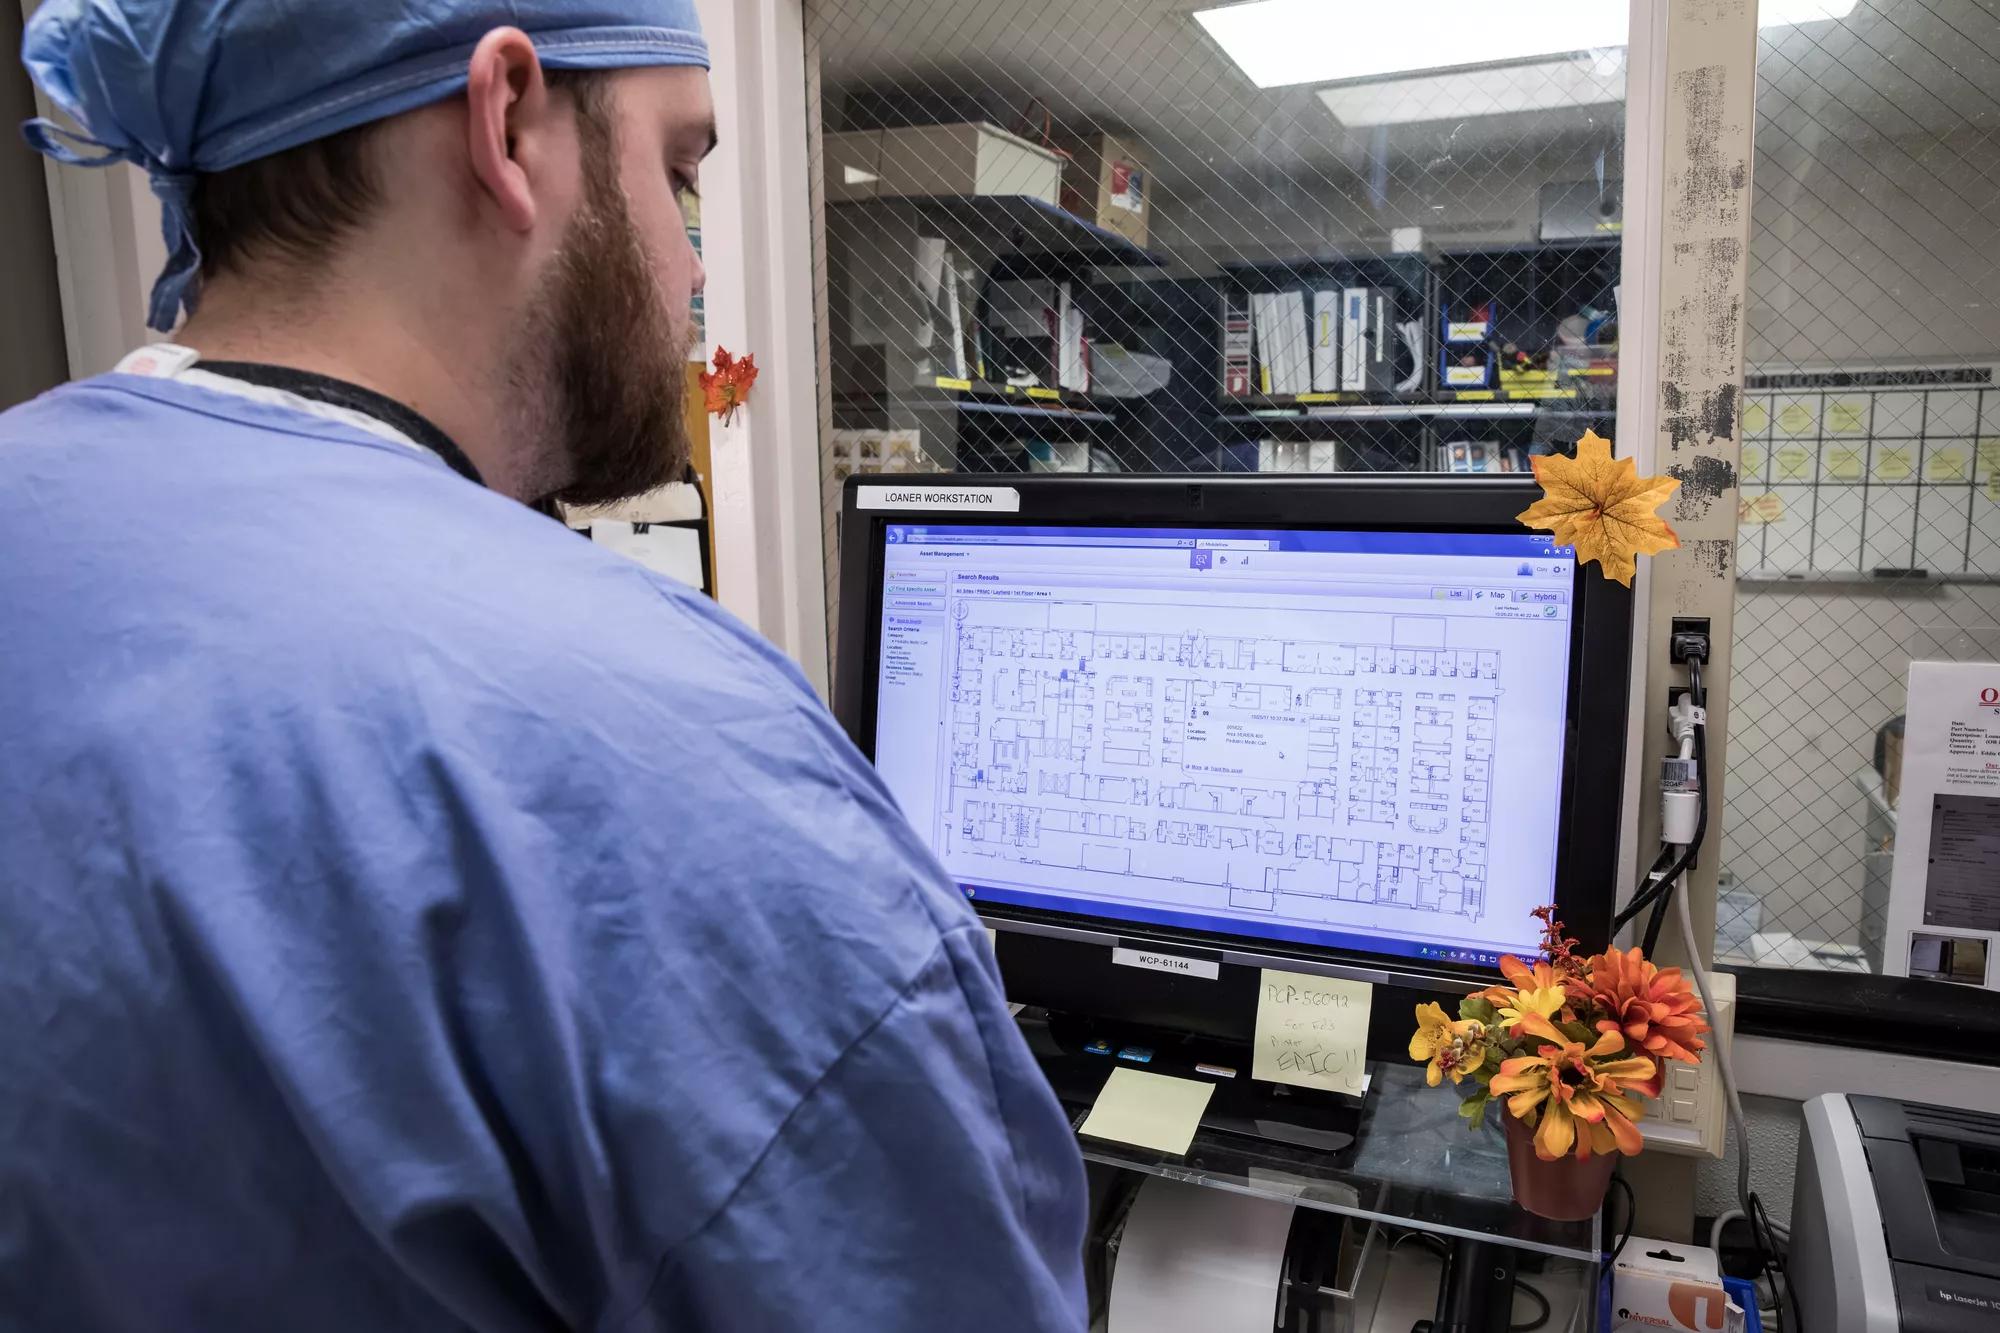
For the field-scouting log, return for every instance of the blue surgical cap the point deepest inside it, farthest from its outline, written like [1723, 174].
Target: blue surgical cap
[183, 87]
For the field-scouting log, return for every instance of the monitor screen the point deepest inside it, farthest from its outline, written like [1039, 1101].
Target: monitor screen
[1343, 739]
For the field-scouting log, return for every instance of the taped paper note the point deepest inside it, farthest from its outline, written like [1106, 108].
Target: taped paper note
[1313, 1032]
[1766, 508]
[1148, 1110]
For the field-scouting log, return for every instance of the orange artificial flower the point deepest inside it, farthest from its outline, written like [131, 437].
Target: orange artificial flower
[727, 387]
[1532, 990]
[1655, 1009]
[1584, 1097]
[1602, 507]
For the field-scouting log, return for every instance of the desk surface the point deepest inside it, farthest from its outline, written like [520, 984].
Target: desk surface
[1415, 1164]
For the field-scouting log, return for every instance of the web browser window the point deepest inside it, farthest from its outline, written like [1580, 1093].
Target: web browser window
[1350, 739]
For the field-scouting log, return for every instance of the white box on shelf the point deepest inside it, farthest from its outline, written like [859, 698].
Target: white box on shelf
[965, 159]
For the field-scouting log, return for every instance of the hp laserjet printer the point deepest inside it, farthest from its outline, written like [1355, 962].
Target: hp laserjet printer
[1896, 1218]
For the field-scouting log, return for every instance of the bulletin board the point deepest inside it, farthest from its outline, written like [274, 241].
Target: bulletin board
[1863, 481]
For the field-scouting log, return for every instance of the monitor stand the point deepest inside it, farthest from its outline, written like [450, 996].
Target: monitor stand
[1476, 1289]
[1274, 1112]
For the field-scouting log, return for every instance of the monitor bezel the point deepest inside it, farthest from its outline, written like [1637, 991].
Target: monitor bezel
[1600, 644]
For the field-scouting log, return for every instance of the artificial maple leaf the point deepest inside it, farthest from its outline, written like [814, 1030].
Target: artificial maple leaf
[1602, 507]
[727, 387]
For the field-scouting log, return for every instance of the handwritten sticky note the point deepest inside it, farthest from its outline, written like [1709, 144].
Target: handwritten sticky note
[1149, 1110]
[1988, 459]
[1947, 464]
[1847, 416]
[1753, 462]
[1796, 419]
[1313, 1032]
[1844, 463]
[1794, 463]
[1893, 462]
[1756, 419]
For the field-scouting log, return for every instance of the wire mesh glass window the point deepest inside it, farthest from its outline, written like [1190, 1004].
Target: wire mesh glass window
[1870, 519]
[1128, 236]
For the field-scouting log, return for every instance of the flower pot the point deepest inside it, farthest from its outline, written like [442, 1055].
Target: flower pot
[1565, 1190]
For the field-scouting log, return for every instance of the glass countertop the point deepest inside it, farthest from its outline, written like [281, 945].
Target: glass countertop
[1415, 1164]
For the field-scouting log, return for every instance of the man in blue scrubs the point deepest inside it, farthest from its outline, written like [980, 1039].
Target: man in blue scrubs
[413, 917]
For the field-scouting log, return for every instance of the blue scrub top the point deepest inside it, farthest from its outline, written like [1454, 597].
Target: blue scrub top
[413, 916]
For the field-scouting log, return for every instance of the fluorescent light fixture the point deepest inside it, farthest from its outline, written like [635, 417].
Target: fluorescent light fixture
[1282, 42]
[856, 176]
[1487, 91]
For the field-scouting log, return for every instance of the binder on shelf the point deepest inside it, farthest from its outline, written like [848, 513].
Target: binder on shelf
[1237, 349]
[1326, 341]
[1263, 323]
[955, 320]
[1294, 346]
[1367, 361]
[1284, 359]
[1297, 456]
[1072, 361]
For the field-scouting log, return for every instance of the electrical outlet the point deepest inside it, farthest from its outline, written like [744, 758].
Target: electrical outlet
[1691, 1115]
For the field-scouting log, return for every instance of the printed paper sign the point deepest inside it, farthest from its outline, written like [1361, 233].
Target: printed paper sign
[974, 499]
[1313, 1031]
[1944, 889]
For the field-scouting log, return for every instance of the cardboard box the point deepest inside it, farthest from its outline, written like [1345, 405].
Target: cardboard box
[1108, 180]
[1658, 1285]
[963, 159]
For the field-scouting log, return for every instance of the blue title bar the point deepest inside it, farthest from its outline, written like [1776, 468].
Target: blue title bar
[1511, 545]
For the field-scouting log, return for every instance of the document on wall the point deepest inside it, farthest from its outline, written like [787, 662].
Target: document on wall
[1944, 898]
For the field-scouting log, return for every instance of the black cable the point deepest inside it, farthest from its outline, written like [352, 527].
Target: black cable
[1658, 892]
[1631, 1214]
[1539, 1320]
[1772, 1257]
[1687, 859]
[1653, 882]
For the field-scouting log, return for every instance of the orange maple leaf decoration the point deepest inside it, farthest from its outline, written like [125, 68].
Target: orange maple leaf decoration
[1602, 507]
[727, 387]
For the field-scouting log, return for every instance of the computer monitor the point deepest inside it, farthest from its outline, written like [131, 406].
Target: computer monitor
[1358, 725]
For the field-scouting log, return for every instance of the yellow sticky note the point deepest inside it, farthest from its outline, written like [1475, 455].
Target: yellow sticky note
[1844, 464]
[1847, 416]
[1753, 462]
[1893, 462]
[1987, 460]
[1946, 464]
[1993, 486]
[1149, 1110]
[1796, 419]
[1794, 463]
[1756, 419]
[1312, 1031]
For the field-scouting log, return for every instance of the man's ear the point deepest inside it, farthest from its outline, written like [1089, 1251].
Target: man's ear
[506, 97]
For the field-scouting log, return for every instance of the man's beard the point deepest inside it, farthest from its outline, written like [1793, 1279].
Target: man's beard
[614, 382]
